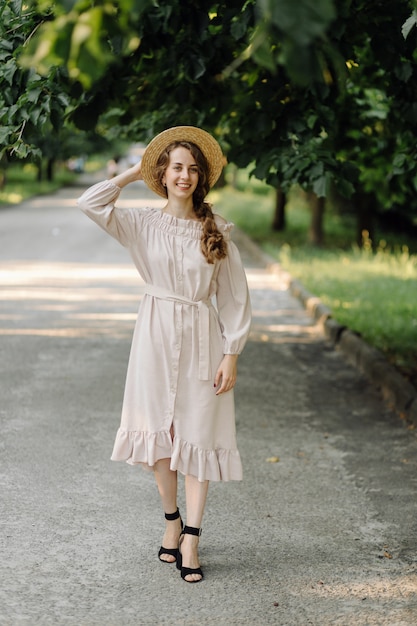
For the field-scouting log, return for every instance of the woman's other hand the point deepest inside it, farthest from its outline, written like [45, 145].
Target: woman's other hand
[226, 374]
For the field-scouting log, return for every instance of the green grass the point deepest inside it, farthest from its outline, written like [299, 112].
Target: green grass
[21, 180]
[21, 183]
[373, 293]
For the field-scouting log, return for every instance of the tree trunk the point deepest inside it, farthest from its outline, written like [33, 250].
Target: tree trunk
[316, 233]
[279, 214]
[3, 171]
[234, 170]
[221, 182]
[365, 211]
[40, 173]
[50, 170]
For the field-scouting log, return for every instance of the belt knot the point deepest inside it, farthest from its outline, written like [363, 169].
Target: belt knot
[203, 307]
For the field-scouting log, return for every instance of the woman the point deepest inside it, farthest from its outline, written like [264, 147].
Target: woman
[178, 408]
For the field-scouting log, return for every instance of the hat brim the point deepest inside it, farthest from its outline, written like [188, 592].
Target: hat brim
[207, 144]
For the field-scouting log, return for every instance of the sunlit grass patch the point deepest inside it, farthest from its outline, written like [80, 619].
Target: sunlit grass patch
[374, 295]
[22, 183]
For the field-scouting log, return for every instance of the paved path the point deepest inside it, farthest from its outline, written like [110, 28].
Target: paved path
[321, 531]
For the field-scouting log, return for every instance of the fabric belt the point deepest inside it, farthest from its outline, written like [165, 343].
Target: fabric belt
[203, 307]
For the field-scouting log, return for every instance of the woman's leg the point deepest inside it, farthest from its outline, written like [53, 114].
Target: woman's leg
[167, 483]
[195, 497]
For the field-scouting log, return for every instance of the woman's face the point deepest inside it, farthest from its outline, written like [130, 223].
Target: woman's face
[181, 175]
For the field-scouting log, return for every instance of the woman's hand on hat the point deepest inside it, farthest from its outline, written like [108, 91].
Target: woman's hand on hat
[226, 374]
[130, 175]
[137, 170]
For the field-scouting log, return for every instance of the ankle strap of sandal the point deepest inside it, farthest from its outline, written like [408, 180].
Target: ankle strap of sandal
[190, 530]
[171, 516]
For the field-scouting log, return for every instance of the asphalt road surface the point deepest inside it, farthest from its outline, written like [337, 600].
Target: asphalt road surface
[322, 530]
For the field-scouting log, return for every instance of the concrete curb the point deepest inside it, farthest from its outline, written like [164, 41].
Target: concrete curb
[395, 389]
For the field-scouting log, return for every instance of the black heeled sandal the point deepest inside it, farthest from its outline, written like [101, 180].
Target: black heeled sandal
[186, 571]
[171, 551]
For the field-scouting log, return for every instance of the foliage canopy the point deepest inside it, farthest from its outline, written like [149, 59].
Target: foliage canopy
[321, 93]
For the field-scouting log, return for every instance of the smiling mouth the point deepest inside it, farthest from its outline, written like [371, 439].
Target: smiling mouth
[183, 185]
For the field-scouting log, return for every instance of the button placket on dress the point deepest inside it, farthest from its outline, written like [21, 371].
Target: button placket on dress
[178, 323]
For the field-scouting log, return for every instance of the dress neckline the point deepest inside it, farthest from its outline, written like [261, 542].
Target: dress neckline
[181, 219]
[178, 226]
[172, 219]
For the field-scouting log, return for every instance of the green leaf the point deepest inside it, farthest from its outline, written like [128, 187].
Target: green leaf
[263, 52]
[17, 6]
[35, 115]
[4, 135]
[22, 150]
[7, 45]
[33, 94]
[301, 20]
[320, 186]
[317, 170]
[399, 160]
[303, 164]
[311, 120]
[9, 70]
[238, 28]
[196, 66]
[404, 71]
[345, 188]
[62, 100]
[12, 112]
[409, 24]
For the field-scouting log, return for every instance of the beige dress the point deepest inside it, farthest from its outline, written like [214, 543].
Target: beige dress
[191, 315]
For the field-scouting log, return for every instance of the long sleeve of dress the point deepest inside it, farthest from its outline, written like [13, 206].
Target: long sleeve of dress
[98, 203]
[233, 302]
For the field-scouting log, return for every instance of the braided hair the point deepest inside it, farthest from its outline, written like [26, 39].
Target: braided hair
[213, 244]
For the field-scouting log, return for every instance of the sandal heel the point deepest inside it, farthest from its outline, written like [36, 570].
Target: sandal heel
[186, 571]
[171, 551]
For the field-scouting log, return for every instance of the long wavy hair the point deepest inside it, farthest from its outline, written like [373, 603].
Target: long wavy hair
[213, 245]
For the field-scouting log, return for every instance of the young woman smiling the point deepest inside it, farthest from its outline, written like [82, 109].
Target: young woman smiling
[178, 410]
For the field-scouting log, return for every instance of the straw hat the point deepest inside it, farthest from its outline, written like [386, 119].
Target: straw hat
[207, 144]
